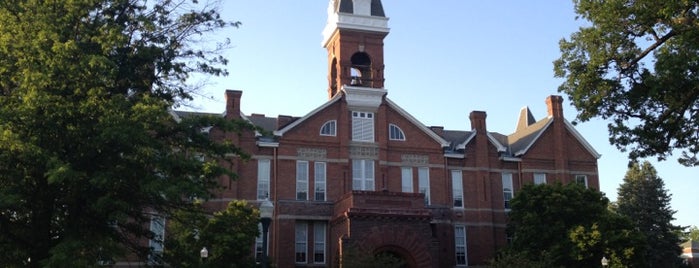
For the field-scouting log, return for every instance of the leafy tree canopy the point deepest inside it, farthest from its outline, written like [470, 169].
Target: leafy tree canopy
[643, 199]
[568, 226]
[636, 63]
[88, 147]
[227, 235]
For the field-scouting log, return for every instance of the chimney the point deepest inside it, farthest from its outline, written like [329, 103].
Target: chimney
[233, 103]
[554, 104]
[439, 130]
[478, 120]
[283, 120]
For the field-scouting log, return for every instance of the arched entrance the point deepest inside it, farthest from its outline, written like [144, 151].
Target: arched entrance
[394, 256]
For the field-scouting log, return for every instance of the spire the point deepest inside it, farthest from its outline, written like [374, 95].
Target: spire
[354, 37]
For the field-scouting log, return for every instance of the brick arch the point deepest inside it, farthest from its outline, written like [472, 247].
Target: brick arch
[403, 241]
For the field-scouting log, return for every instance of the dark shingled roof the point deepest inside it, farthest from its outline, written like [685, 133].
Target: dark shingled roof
[455, 137]
[266, 123]
[523, 137]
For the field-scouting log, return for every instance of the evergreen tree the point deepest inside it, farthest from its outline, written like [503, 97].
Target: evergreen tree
[89, 151]
[642, 197]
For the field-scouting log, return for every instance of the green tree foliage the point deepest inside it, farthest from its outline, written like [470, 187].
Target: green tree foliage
[568, 226]
[692, 234]
[356, 257]
[636, 63]
[88, 148]
[227, 235]
[642, 197]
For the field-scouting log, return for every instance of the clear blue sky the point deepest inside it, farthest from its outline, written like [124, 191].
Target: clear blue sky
[443, 60]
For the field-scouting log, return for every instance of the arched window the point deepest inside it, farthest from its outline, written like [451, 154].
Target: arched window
[395, 133]
[329, 128]
[360, 71]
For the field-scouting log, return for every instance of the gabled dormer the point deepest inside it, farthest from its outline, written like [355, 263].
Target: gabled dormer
[354, 37]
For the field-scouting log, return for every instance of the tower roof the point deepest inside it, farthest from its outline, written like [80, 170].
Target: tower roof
[362, 15]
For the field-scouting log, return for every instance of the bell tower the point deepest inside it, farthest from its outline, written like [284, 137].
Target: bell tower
[354, 37]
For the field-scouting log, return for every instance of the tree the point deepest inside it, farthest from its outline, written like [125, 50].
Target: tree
[226, 234]
[636, 64]
[568, 226]
[89, 151]
[692, 234]
[642, 197]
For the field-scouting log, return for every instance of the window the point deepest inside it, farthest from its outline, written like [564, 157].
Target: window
[363, 175]
[407, 180]
[507, 190]
[362, 126]
[460, 245]
[539, 178]
[581, 179]
[263, 179]
[157, 226]
[457, 188]
[423, 177]
[301, 242]
[301, 180]
[319, 229]
[329, 128]
[319, 178]
[395, 133]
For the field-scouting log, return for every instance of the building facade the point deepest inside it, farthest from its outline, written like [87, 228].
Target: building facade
[360, 174]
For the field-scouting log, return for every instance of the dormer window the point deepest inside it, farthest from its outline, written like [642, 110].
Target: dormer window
[395, 133]
[329, 128]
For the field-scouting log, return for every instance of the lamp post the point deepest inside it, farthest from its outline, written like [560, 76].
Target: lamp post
[266, 212]
[203, 254]
[604, 261]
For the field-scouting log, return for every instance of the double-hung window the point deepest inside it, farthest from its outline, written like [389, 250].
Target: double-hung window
[423, 176]
[460, 245]
[581, 179]
[301, 180]
[539, 178]
[301, 238]
[407, 179]
[157, 226]
[457, 188]
[363, 174]
[507, 190]
[319, 181]
[263, 176]
[319, 230]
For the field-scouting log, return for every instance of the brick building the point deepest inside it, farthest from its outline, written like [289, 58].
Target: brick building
[361, 173]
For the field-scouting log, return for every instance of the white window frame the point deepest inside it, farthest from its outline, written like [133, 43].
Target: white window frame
[319, 181]
[363, 174]
[539, 178]
[460, 246]
[457, 188]
[329, 128]
[508, 191]
[301, 180]
[319, 243]
[423, 178]
[263, 178]
[407, 180]
[584, 180]
[395, 133]
[301, 245]
[363, 126]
